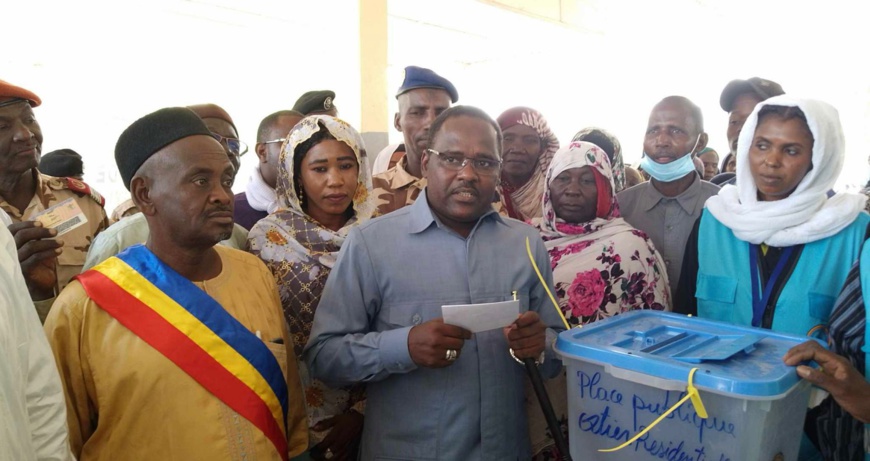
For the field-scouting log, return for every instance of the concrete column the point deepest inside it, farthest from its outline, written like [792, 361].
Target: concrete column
[374, 119]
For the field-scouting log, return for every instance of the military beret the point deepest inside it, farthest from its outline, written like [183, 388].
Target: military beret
[12, 94]
[146, 136]
[61, 163]
[315, 101]
[758, 86]
[420, 77]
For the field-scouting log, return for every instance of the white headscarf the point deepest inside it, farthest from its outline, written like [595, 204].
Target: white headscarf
[807, 214]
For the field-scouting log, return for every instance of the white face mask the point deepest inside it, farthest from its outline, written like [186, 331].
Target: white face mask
[668, 172]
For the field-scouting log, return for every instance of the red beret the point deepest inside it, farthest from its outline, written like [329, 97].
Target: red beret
[10, 91]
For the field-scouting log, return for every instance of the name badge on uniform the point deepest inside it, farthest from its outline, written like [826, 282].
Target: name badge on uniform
[62, 217]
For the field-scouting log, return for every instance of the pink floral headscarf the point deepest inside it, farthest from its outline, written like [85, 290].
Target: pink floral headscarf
[579, 154]
[604, 266]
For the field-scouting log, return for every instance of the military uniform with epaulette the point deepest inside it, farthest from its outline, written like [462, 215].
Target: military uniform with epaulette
[50, 191]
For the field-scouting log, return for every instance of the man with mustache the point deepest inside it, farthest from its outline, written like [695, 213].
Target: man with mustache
[128, 232]
[177, 349]
[48, 262]
[422, 97]
[667, 206]
[434, 390]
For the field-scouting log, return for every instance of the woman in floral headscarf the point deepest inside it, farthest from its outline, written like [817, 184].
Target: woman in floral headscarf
[528, 146]
[612, 148]
[601, 265]
[323, 190]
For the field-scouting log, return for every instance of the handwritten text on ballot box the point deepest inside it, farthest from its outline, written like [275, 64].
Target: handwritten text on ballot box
[626, 371]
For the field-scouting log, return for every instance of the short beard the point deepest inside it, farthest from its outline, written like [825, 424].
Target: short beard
[223, 236]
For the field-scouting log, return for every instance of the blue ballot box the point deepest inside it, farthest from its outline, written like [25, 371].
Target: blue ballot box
[626, 371]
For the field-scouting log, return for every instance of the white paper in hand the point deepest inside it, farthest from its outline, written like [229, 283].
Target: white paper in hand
[482, 317]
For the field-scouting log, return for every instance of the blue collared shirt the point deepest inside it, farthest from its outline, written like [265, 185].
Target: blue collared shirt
[395, 272]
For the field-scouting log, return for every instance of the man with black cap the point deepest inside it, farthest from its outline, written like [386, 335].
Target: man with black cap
[317, 102]
[62, 163]
[422, 97]
[48, 263]
[128, 232]
[177, 349]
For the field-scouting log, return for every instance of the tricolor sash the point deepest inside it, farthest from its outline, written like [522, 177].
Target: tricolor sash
[194, 331]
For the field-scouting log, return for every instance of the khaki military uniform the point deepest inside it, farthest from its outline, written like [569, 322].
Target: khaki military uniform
[396, 188]
[50, 191]
[126, 208]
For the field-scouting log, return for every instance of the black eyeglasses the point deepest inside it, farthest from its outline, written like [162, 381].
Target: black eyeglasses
[456, 162]
[236, 146]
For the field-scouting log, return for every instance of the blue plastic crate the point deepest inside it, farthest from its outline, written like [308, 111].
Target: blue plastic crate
[625, 371]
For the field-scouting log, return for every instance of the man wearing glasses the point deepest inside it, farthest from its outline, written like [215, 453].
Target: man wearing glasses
[259, 198]
[134, 229]
[434, 390]
[222, 128]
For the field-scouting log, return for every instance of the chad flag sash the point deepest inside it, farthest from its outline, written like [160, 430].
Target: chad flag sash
[192, 330]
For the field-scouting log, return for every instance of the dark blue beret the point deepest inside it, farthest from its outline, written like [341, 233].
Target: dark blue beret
[420, 77]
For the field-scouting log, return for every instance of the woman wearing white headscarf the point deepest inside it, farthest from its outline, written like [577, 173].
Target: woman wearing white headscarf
[324, 190]
[774, 250]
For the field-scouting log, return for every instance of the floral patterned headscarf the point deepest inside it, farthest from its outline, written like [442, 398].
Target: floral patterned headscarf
[604, 266]
[579, 155]
[363, 205]
[617, 165]
[299, 251]
[600, 268]
[524, 202]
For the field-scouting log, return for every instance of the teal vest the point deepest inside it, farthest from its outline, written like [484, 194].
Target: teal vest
[865, 292]
[724, 287]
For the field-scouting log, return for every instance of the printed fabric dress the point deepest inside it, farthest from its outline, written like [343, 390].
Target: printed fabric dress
[300, 252]
[601, 268]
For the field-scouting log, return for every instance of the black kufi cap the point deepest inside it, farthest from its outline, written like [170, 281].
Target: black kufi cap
[146, 136]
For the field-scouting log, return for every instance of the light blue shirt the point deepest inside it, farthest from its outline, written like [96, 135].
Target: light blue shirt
[395, 272]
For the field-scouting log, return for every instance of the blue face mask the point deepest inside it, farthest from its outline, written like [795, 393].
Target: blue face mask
[668, 172]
